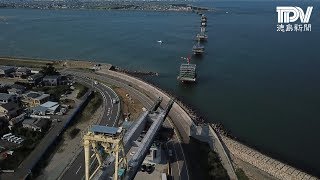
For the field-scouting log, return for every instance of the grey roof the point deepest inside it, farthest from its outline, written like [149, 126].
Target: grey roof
[34, 76]
[23, 69]
[9, 106]
[40, 109]
[36, 122]
[51, 77]
[5, 68]
[17, 86]
[43, 96]
[33, 94]
[5, 96]
[104, 129]
[49, 104]
[36, 95]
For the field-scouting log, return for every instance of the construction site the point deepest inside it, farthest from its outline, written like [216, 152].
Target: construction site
[120, 152]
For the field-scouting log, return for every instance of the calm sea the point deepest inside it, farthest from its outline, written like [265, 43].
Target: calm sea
[261, 84]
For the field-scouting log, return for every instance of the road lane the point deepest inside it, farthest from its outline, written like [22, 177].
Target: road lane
[180, 169]
[108, 118]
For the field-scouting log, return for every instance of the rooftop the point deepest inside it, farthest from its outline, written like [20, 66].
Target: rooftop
[36, 122]
[36, 75]
[51, 77]
[49, 104]
[5, 96]
[104, 129]
[9, 106]
[17, 86]
[23, 69]
[5, 68]
[36, 95]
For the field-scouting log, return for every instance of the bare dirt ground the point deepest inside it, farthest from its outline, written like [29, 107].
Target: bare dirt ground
[129, 104]
[37, 63]
[68, 149]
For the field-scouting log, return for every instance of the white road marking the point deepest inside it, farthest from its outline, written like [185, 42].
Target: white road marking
[78, 169]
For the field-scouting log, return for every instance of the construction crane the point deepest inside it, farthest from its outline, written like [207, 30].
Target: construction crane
[116, 142]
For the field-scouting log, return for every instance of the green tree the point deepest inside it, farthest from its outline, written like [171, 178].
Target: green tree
[216, 170]
[49, 69]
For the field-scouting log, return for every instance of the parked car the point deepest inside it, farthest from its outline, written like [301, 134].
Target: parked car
[13, 139]
[6, 135]
[9, 137]
[17, 140]
[114, 101]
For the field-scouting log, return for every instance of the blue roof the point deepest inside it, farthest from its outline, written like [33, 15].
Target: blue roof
[104, 129]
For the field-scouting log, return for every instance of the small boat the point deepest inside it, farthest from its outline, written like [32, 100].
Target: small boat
[160, 42]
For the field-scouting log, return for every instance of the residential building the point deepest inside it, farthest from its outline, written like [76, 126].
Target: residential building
[33, 99]
[17, 119]
[16, 89]
[51, 80]
[23, 72]
[6, 98]
[9, 110]
[48, 108]
[35, 78]
[35, 124]
[6, 70]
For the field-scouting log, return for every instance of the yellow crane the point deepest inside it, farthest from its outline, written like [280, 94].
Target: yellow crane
[110, 139]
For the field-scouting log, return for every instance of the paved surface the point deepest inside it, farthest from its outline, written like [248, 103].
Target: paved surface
[265, 163]
[110, 117]
[180, 169]
[24, 168]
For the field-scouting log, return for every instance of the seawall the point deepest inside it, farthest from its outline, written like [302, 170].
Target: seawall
[181, 119]
[269, 165]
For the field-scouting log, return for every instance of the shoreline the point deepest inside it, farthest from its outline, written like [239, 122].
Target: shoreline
[196, 115]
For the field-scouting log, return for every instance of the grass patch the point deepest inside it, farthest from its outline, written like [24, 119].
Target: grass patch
[90, 108]
[241, 174]
[216, 170]
[208, 164]
[85, 69]
[23, 62]
[82, 89]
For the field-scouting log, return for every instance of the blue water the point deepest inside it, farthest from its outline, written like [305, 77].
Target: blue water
[261, 84]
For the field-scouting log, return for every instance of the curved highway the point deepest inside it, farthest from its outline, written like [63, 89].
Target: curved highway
[109, 117]
[179, 166]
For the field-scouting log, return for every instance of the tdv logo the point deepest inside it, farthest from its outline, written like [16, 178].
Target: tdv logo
[287, 14]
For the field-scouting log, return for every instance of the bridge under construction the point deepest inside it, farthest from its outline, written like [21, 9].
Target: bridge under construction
[111, 145]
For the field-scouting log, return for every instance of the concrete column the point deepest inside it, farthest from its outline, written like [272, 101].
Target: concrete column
[116, 163]
[86, 145]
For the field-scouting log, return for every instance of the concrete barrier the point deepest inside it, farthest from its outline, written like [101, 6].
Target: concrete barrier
[180, 118]
[271, 166]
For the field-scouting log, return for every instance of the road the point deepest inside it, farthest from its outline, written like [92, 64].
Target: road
[179, 166]
[109, 117]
